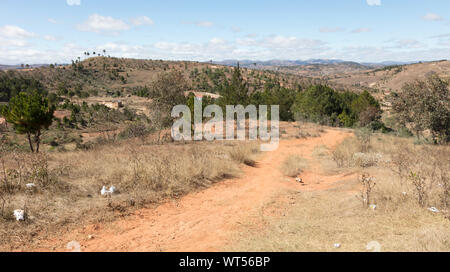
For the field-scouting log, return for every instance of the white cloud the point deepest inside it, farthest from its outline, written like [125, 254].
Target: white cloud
[141, 20]
[50, 38]
[204, 24]
[11, 31]
[410, 43]
[292, 42]
[51, 20]
[432, 17]
[374, 2]
[73, 2]
[361, 30]
[97, 23]
[236, 29]
[201, 23]
[264, 48]
[330, 30]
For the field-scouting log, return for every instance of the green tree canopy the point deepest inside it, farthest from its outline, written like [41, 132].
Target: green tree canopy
[425, 105]
[235, 91]
[29, 113]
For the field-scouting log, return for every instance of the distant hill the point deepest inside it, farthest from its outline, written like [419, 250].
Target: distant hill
[271, 63]
[390, 78]
[19, 66]
[119, 76]
[268, 63]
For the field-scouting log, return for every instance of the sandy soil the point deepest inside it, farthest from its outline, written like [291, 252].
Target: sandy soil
[206, 220]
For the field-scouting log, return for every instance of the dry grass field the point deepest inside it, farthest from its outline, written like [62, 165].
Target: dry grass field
[67, 185]
[358, 191]
[408, 181]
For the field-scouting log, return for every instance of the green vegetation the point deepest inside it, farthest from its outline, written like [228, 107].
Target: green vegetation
[29, 113]
[326, 106]
[12, 84]
[425, 105]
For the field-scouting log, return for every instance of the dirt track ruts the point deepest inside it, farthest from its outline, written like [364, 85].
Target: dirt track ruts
[206, 220]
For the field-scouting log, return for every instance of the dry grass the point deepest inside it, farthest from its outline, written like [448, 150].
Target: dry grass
[293, 165]
[300, 130]
[318, 220]
[142, 174]
[245, 153]
[315, 221]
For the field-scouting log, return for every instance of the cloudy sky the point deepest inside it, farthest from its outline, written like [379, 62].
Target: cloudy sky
[49, 31]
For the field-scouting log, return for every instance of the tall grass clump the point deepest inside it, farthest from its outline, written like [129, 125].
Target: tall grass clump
[293, 165]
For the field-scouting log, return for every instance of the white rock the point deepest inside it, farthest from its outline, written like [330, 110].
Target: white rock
[373, 207]
[110, 191]
[19, 215]
[433, 209]
[337, 245]
[404, 193]
[30, 185]
[103, 191]
[298, 180]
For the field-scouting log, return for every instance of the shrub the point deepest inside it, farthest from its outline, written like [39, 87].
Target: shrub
[326, 106]
[293, 165]
[425, 105]
[245, 153]
[136, 130]
[343, 153]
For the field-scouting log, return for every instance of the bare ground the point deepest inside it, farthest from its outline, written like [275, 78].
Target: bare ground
[208, 220]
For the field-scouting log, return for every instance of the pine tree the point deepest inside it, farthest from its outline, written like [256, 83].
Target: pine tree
[29, 113]
[236, 91]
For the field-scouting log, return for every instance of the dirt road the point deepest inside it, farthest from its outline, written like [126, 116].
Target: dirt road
[206, 220]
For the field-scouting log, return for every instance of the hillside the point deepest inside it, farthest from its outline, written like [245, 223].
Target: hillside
[102, 75]
[118, 76]
[391, 78]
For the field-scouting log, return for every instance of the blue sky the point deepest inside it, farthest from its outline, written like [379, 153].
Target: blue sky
[48, 31]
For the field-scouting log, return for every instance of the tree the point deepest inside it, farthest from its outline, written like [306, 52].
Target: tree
[425, 105]
[318, 104]
[166, 92]
[29, 113]
[235, 92]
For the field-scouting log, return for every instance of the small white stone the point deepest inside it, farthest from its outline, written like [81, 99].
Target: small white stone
[373, 207]
[433, 209]
[103, 191]
[30, 185]
[19, 215]
[337, 245]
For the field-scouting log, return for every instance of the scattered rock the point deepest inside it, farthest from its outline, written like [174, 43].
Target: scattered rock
[109, 192]
[299, 180]
[90, 236]
[433, 209]
[19, 215]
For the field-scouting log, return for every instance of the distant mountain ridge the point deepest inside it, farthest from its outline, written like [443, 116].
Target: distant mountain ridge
[258, 63]
[246, 63]
[19, 66]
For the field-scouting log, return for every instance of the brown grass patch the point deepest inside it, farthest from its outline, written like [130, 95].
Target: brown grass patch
[142, 174]
[399, 221]
[293, 165]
